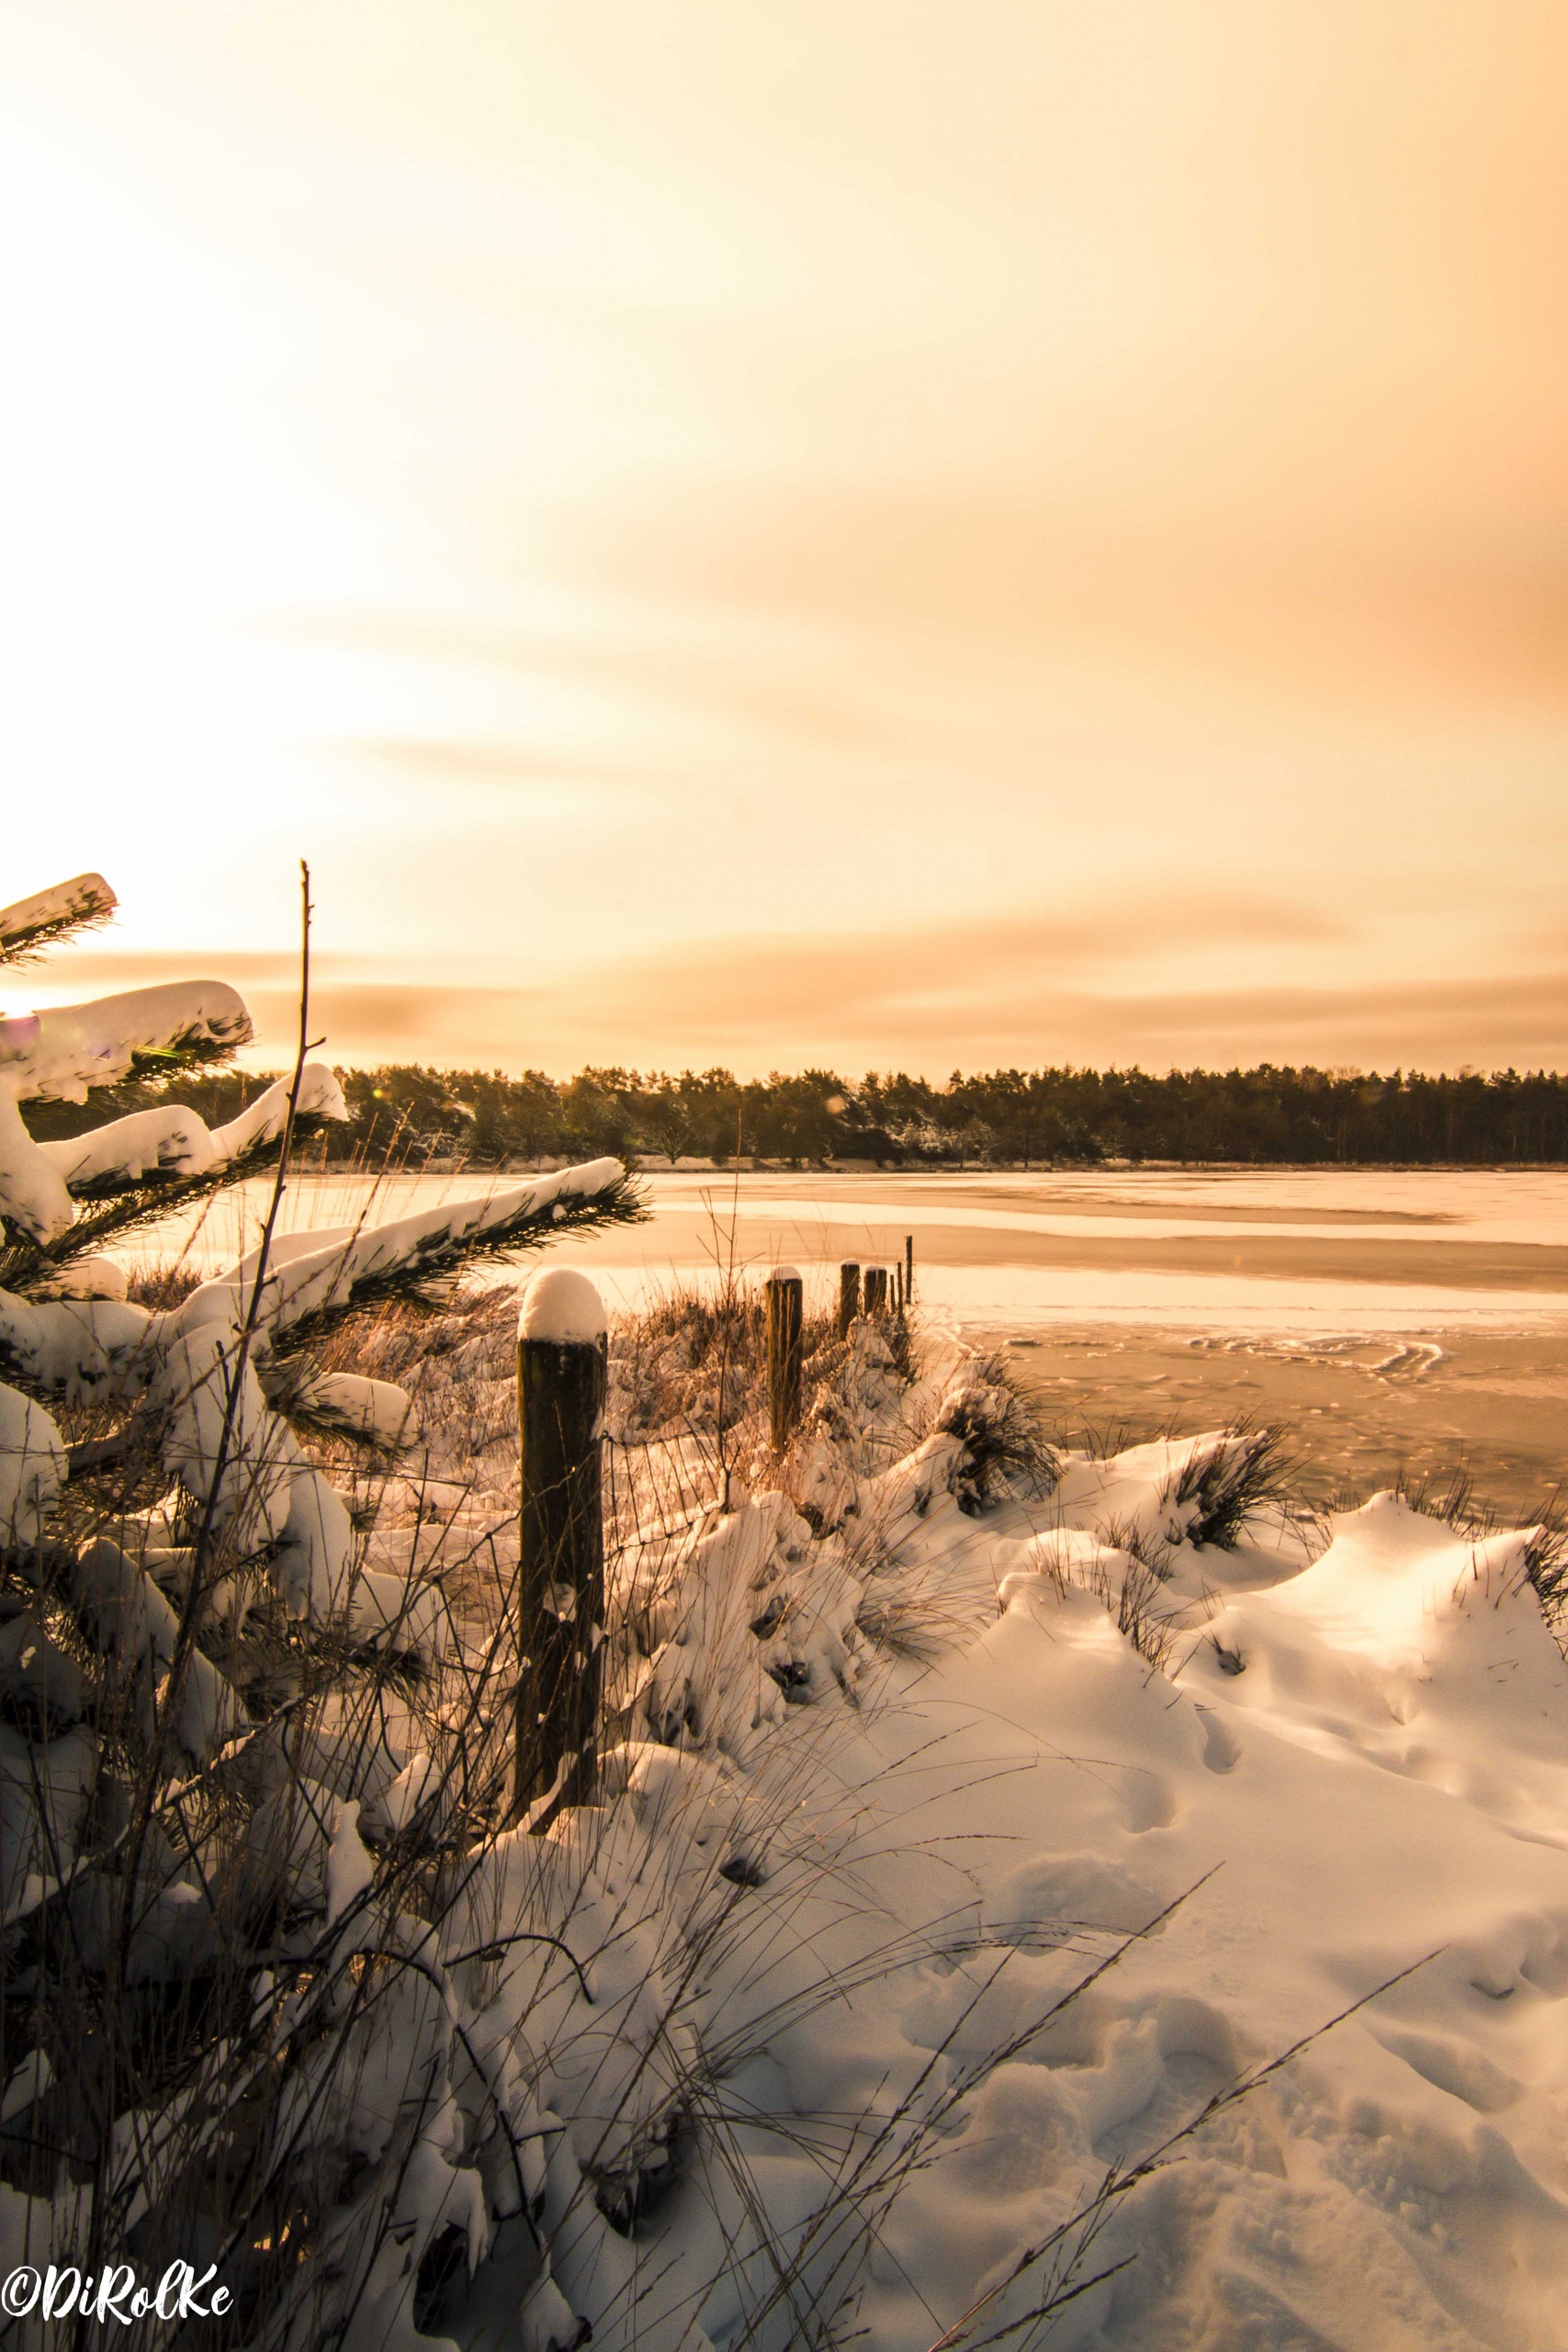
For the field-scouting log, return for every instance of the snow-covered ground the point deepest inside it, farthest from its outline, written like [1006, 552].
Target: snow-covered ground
[1043, 1922]
[952, 1909]
[1359, 1767]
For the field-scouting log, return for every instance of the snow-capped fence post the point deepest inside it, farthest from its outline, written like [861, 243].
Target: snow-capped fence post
[875, 1290]
[562, 1358]
[849, 1295]
[785, 1354]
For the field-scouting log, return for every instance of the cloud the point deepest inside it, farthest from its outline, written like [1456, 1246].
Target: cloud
[74, 976]
[450, 761]
[1081, 986]
[653, 664]
[1302, 603]
[973, 999]
[1511, 1020]
[946, 981]
[1146, 977]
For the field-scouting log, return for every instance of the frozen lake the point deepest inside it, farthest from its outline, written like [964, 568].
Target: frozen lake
[1313, 1251]
[1400, 1320]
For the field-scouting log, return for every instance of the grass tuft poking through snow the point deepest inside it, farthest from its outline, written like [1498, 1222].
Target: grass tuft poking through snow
[1243, 1474]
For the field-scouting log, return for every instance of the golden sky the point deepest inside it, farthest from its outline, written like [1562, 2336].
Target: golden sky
[782, 531]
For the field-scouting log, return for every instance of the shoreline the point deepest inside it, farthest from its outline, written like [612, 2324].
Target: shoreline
[650, 1164]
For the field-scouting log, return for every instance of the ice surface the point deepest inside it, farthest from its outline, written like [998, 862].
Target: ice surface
[1409, 1253]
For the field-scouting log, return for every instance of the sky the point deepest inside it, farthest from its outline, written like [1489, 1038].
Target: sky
[788, 533]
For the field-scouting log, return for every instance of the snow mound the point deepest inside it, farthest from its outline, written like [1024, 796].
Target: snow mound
[1034, 1908]
[1420, 1651]
[1352, 1771]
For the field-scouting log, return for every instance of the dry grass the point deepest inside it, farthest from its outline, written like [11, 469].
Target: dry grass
[1546, 1559]
[162, 1282]
[1136, 1596]
[1008, 1455]
[1249, 1473]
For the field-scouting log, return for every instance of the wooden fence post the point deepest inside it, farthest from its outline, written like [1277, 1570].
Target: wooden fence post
[875, 1290]
[785, 1354]
[909, 1270]
[562, 1358]
[849, 1295]
[897, 1287]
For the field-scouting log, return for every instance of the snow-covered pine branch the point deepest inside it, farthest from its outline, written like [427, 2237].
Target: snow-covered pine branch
[306, 1285]
[128, 1666]
[179, 1366]
[57, 1056]
[112, 1350]
[148, 1153]
[64, 911]
[62, 1054]
[172, 1140]
[188, 1378]
[34, 1196]
[32, 1469]
[113, 1201]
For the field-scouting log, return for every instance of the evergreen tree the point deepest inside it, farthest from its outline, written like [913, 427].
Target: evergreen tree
[218, 1861]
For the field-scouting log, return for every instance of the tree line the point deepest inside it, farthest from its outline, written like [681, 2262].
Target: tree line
[1003, 1117]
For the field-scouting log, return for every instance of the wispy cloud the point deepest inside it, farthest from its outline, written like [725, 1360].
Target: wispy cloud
[970, 996]
[453, 761]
